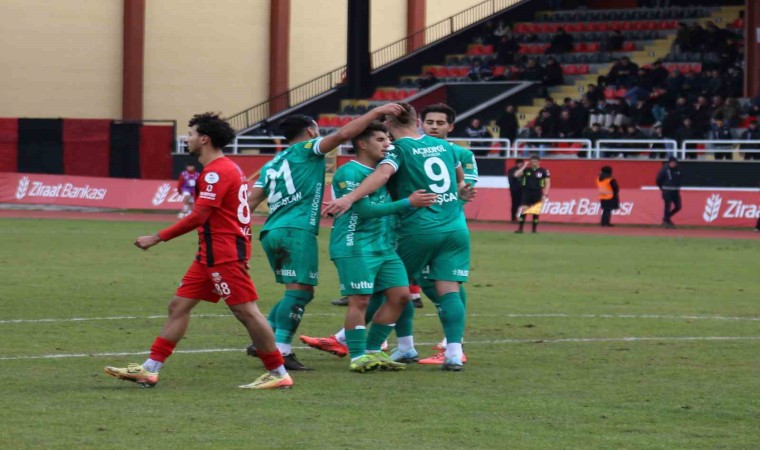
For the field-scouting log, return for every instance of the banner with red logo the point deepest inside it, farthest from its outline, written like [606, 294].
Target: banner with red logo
[702, 207]
[120, 193]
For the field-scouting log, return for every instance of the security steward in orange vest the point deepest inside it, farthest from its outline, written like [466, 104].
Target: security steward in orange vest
[608, 194]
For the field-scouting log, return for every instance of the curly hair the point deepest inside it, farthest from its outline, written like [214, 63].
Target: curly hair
[215, 127]
[451, 115]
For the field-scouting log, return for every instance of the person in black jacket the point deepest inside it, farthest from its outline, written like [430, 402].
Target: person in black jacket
[751, 134]
[508, 124]
[609, 194]
[515, 189]
[669, 182]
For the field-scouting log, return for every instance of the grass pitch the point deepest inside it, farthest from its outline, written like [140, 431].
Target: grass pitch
[574, 341]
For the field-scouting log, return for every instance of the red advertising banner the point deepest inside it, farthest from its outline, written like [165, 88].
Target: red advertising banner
[34, 189]
[703, 207]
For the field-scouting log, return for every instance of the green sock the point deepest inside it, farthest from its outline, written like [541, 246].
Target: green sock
[289, 313]
[451, 314]
[375, 302]
[377, 334]
[405, 323]
[356, 341]
[463, 295]
[431, 293]
[272, 317]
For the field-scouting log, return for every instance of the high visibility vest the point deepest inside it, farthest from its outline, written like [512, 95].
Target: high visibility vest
[605, 188]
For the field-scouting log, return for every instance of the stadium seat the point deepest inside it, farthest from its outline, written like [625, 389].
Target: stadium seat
[583, 69]
[334, 122]
[684, 68]
[475, 49]
[629, 46]
[696, 67]
[488, 49]
[594, 46]
[323, 121]
[570, 69]
[499, 71]
[609, 92]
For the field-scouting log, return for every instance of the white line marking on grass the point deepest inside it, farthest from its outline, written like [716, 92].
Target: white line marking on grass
[491, 342]
[528, 316]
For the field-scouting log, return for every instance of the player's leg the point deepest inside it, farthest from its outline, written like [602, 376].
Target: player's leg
[521, 220]
[262, 337]
[195, 285]
[535, 223]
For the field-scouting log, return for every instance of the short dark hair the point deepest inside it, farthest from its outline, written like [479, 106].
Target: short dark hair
[451, 115]
[407, 117]
[215, 127]
[292, 126]
[368, 132]
[607, 170]
[519, 161]
[535, 156]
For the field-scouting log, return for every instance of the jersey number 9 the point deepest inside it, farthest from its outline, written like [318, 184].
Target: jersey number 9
[436, 171]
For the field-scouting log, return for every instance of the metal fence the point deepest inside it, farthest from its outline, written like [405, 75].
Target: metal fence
[546, 148]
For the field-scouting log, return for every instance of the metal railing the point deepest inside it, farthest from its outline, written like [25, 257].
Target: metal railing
[606, 148]
[299, 94]
[552, 147]
[438, 31]
[750, 149]
[243, 145]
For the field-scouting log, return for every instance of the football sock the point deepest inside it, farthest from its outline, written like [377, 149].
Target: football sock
[272, 317]
[273, 362]
[377, 334]
[522, 222]
[375, 302]
[535, 222]
[356, 341]
[152, 365]
[451, 314]
[159, 351]
[405, 325]
[288, 317]
[463, 295]
[431, 293]
[340, 336]
[454, 350]
[405, 343]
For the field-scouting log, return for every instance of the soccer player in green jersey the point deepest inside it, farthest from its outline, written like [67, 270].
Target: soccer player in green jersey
[293, 185]
[362, 249]
[438, 121]
[435, 236]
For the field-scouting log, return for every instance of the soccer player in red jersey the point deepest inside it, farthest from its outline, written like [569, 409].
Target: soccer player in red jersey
[220, 271]
[186, 188]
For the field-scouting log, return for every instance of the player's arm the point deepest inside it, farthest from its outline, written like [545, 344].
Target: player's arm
[460, 175]
[366, 209]
[356, 126]
[197, 217]
[519, 172]
[547, 186]
[375, 181]
[256, 196]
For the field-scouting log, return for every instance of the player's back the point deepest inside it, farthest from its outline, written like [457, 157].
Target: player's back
[226, 235]
[294, 183]
[426, 163]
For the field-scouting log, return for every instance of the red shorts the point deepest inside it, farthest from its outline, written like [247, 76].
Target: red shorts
[229, 281]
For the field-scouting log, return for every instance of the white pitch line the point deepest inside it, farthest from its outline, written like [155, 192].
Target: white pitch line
[491, 342]
[528, 316]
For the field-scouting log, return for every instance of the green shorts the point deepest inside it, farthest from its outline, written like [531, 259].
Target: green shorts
[447, 254]
[292, 255]
[364, 275]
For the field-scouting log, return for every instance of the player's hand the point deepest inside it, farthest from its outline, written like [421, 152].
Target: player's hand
[146, 242]
[422, 199]
[337, 207]
[467, 193]
[389, 109]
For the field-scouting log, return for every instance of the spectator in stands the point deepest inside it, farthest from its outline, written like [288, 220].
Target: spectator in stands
[730, 111]
[692, 85]
[502, 30]
[751, 134]
[553, 108]
[611, 79]
[567, 127]
[479, 71]
[689, 132]
[701, 113]
[697, 35]
[632, 132]
[532, 71]
[506, 49]
[641, 89]
[659, 74]
[548, 123]
[618, 108]
[716, 84]
[476, 130]
[754, 107]
[658, 149]
[508, 124]
[562, 42]
[537, 132]
[579, 114]
[713, 39]
[720, 131]
[682, 107]
[735, 82]
[613, 42]
[626, 73]
[593, 133]
[429, 80]
[642, 115]
[729, 53]
[553, 73]
[594, 93]
[683, 42]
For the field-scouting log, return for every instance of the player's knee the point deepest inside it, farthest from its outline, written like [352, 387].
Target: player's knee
[178, 307]
[357, 302]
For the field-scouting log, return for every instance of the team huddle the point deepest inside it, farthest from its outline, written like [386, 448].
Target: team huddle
[398, 219]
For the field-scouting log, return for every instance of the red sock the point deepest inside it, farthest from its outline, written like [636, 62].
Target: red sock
[161, 349]
[271, 360]
[414, 289]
